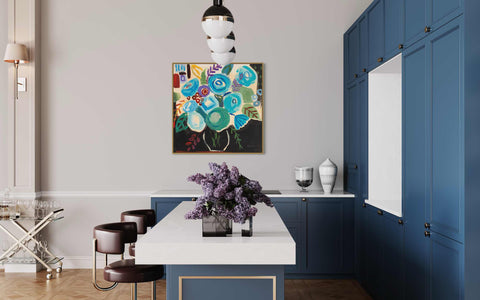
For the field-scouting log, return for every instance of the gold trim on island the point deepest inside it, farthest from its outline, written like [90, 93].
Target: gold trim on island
[181, 278]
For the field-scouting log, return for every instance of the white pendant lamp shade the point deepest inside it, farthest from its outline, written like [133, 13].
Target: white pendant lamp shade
[217, 21]
[221, 45]
[224, 58]
[16, 53]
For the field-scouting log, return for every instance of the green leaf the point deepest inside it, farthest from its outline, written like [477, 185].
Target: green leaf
[176, 97]
[227, 69]
[251, 112]
[247, 94]
[181, 123]
[203, 79]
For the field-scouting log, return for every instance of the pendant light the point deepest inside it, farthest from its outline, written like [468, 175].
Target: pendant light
[217, 21]
[224, 58]
[221, 45]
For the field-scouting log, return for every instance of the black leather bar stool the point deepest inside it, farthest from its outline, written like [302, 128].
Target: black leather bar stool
[143, 217]
[111, 239]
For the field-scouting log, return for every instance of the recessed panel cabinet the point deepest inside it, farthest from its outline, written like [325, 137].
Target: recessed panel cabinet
[394, 27]
[376, 34]
[352, 134]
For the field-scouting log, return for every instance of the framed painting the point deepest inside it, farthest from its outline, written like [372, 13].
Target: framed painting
[217, 109]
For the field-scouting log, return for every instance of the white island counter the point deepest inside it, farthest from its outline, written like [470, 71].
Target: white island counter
[177, 241]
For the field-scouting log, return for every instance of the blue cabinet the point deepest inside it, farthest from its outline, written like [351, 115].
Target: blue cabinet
[352, 137]
[163, 206]
[376, 34]
[440, 12]
[353, 50]
[323, 231]
[363, 28]
[394, 27]
[374, 247]
[415, 20]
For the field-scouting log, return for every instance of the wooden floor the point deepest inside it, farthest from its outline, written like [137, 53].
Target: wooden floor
[75, 284]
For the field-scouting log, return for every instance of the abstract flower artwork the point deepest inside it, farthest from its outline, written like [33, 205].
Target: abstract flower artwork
[217, 109]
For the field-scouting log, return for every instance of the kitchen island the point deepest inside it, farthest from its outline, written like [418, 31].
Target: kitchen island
[232, 267]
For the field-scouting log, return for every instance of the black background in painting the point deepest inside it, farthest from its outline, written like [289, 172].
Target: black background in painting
[250, 135]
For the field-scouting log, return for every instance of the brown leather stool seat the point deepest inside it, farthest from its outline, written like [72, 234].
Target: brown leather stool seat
[143, 217]
[126, 271]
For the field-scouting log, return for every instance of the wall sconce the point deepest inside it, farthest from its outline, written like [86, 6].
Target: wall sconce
[16, 54]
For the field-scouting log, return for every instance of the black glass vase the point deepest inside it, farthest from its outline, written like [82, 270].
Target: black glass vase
[247, 227]
[214, 225]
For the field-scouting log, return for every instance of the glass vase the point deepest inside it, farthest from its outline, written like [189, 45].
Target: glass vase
[247, 227]
[214, 225]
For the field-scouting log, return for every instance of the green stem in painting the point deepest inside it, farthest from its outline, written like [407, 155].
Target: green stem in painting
[237, 138]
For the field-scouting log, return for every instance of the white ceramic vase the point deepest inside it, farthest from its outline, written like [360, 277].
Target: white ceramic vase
[328, 175]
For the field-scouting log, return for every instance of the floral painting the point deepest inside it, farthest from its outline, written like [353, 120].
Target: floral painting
[217, 109]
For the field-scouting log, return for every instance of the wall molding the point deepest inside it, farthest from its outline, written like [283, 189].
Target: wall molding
[96, 194]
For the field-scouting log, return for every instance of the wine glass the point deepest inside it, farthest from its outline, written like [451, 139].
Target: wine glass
[304, 177]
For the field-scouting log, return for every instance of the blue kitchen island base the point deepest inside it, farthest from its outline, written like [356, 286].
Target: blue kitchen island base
[219, 282]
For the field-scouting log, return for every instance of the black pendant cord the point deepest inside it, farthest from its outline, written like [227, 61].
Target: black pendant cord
[217, 2]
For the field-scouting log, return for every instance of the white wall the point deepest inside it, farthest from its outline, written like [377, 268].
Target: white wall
[3, 95]
[106, 98]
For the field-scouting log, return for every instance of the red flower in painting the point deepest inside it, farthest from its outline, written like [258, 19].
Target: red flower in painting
[193, 141]
[197, 98]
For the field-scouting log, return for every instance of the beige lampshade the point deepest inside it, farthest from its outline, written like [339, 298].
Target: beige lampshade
[16, 53]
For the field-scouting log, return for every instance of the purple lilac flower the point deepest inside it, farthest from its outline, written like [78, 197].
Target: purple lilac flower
[227, 193]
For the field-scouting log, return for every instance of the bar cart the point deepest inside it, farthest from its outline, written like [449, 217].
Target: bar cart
[27, 236]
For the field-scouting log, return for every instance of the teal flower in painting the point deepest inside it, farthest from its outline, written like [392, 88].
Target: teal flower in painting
[232, 102]
[190, 88]
[246, 76]
[209, 103]
[240, 121]
[196, 122]
[190, 106]
[219, 84]
[218, 119]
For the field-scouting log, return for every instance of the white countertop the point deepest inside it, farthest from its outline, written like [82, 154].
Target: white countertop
[283, 193]
[177, 241]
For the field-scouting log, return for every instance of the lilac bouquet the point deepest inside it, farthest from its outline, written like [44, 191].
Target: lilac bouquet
[227, 194]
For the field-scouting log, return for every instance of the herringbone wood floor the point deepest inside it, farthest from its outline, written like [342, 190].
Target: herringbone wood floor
[75, 284]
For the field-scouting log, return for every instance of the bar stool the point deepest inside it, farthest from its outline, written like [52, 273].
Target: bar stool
[111, 239]
[143, 217]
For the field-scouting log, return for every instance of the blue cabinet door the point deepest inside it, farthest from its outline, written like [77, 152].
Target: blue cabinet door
[416, 155]
[363, 244]
[353, 50]
[446, 269]
[446, 205]
[163, 206]
[415, 20]
[441, 12]
[394, 27]
[330, 236]
[374, 258]
[363, 28]
[291, 210]
[393, 258]
[376, 34]
[363, 136]
[352, 138]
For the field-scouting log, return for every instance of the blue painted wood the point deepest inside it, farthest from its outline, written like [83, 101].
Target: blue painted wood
[330, 236]
[415, 20]
[374, 259]
[353, 41]
[446, 204]
[352, 138]
[219, 289]
[472, 144]
[376, 33]
[363, 142]
[292, 212]
[363, 29]
[446, 269]
[441, 12]
[394, 27]
[164, 205]
[393, 276]
[364, 239]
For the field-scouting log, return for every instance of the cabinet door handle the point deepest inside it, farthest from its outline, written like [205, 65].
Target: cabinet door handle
[427, 29]
[364, 205]
[400, 46]
[427, 233]
[427, 225]
[304, 199]
[194, 199]
[352, 166]
[400, 221]
[380, 212]
[355, 75]
[364, 70]
[380, 59]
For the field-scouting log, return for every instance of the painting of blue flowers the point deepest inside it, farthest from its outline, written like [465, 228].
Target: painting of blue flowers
[218, 109]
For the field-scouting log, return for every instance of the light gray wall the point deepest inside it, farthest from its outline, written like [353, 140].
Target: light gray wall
[106, 99]
[3, 95]
[106, 89]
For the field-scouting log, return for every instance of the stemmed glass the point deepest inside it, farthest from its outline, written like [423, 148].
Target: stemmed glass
[304, 177]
